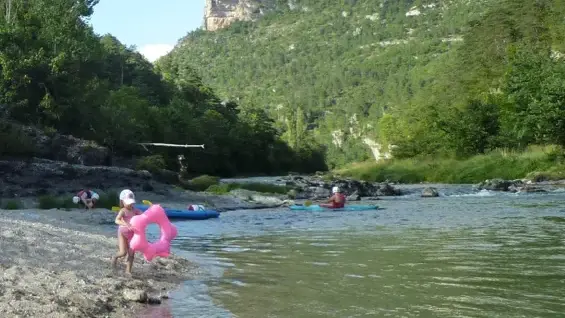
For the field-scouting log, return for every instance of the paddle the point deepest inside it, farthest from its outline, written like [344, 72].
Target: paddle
[117, 208]
[308, 203]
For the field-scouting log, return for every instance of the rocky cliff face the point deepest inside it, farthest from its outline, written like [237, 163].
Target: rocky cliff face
[221, 13]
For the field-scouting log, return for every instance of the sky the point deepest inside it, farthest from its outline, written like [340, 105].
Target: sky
[153, 26]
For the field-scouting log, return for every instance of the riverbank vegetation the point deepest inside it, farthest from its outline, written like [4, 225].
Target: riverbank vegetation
[535, 163]
[449, 82]
[212, 184]
[58, 75]
[307, 87]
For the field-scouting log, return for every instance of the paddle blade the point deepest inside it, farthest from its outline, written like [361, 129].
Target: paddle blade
[115, 208]
[147, 202]
[308, 203]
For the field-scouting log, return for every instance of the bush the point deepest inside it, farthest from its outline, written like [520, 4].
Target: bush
[220, 188]
[15, 141]
[539, 163]
[202, 183]
[151, 163]
[251, 186]
[108, 200]
[47, 202]
[264, 187]
[11, 205]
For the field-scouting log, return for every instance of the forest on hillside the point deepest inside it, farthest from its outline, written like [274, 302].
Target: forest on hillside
[436, 78]
[58, 75]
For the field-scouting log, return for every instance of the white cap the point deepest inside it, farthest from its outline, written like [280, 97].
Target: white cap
[76, 200]
[335, 189]
[95, 196]
[127, 197]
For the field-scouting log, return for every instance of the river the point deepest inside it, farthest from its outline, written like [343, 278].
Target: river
[464, 254]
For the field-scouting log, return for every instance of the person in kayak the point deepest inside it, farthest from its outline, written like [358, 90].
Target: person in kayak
[336, 201]
[86, 197]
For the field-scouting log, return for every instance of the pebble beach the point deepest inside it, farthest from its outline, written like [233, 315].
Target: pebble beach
[56, 263]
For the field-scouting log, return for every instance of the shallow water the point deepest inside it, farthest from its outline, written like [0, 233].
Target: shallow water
[466, 254]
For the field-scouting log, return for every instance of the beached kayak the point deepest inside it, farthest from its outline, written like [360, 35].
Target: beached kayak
[315, 207]
[184, 214]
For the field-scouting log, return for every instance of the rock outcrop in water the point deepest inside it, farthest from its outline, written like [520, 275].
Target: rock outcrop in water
[508, 186]
[319, 188]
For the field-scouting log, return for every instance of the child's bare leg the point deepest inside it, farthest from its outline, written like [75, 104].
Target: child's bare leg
[129, 263]
[122, 249]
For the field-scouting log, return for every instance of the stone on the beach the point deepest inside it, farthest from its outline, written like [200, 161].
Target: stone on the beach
[137, 295]
[430, 192]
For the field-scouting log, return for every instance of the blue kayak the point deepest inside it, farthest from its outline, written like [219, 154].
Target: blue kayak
[185, 214]
[315, 207]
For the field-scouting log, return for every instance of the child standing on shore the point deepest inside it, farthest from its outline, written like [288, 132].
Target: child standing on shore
[125, 230]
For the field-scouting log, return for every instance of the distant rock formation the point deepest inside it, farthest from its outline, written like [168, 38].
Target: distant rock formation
[221, 13]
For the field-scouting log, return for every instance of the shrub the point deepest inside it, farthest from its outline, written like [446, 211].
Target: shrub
[220, 188]
[15, 141]
[108, 200]
[202, 183]
[12, 204]
[151, 163]
[47, 202]
[251, 186]
[264, 187]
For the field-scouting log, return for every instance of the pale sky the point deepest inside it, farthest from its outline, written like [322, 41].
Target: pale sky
[152, 26]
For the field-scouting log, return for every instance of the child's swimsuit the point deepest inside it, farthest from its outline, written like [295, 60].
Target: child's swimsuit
[124, 230]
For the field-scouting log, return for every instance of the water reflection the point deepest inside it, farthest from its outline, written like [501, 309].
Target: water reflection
[458, 256]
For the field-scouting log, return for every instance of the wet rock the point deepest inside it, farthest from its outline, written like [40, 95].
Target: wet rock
[500, 185]
[532, 189]
[153, 300]
[429, 192]
[319, 187]
[136, 295]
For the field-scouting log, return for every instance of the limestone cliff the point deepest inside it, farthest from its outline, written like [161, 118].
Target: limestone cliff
[221, 13]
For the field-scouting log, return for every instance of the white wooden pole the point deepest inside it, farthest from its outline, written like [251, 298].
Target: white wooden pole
[168, 145]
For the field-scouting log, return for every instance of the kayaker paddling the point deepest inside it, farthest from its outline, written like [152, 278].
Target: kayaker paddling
[336, 201]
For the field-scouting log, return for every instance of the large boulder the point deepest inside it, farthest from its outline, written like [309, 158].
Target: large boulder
[65, 148]
[498, 184]
[429, 192]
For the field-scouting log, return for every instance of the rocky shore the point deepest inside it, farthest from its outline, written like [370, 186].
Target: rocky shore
[56, 263]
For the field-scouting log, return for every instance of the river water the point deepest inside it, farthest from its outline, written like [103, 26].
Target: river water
[464, 254]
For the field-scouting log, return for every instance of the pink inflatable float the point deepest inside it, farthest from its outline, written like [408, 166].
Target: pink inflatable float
[139, 243]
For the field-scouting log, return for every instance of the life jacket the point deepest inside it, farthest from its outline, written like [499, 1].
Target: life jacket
[341, 204]
[196, 207]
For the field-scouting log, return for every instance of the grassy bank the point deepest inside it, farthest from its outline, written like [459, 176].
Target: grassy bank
[212, 184]
[537, 163]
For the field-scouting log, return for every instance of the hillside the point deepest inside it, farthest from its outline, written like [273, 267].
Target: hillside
[58, 76]
[447, 78]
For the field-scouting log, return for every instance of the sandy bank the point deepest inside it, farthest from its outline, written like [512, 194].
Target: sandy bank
[56, 263]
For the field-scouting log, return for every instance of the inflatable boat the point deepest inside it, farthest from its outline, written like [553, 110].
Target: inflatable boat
[185, 214]
[315, 207]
